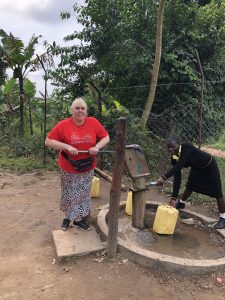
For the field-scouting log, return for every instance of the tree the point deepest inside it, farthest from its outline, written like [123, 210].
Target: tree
[205, 33]
[155, 69]
[29, 90]
[117, 45]
[19, 59]
[114, 48]
[3, 75]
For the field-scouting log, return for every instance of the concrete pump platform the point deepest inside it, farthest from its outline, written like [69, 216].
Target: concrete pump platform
[150, 258]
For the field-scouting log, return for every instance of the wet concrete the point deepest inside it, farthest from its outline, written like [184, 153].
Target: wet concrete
[137, 244]
[194, 241]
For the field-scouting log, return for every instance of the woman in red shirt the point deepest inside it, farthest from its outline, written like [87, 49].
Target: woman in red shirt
[79, 132]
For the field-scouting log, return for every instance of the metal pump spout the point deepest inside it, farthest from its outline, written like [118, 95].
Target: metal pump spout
[150, 183]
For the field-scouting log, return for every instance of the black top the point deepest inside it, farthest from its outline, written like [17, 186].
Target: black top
[190, 156]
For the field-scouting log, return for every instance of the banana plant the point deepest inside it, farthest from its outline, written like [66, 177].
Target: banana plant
[30, 91]
[8, 93]
[20, 59]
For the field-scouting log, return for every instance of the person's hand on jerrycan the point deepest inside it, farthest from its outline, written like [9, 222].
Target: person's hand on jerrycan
[160, 181]
[173, 202]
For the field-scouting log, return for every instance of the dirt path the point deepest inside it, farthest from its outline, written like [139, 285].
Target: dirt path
[28, 269]
[214, 152]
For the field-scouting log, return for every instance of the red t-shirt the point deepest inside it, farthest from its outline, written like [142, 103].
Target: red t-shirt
[81, 137]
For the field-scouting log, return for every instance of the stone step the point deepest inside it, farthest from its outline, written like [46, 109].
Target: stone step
[76, 242]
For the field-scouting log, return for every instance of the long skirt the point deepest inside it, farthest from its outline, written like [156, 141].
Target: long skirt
[206, 180]
[75, 194]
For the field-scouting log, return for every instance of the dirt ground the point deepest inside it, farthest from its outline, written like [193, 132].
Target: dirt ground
[215, 152]
[29, 212]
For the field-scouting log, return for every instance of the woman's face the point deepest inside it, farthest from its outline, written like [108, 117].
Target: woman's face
[79, 112]
[173, 147]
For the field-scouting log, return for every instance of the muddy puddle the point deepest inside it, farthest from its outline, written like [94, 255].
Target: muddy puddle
[193, 241]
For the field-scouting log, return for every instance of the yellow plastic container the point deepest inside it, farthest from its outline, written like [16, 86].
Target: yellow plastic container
[165, 219]
[95, 187]
[128, 208]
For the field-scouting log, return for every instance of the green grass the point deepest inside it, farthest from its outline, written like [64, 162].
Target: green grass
[221, 165]
[220, 143]
[23, 164]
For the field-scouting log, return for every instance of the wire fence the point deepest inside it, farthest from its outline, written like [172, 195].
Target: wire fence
[188, 124]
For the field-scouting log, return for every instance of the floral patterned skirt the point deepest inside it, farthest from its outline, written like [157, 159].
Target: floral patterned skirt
[75, 194]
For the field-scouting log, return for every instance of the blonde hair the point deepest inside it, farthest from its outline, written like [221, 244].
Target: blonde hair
[79, 101]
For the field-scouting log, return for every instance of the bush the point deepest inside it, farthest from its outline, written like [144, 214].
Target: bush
[153, 148]
[22, 164]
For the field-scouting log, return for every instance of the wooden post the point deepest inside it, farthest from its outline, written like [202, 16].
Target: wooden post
[138, 208]
[201, 101]
[107, 177]
[116, 187]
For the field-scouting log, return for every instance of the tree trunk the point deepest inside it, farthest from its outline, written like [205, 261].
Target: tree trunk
[45, 118]
[30, 118]
[21, 127]
[99, 99]
[155, 70]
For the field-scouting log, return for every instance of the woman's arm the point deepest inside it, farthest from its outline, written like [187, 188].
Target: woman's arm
[176, 168]
[103, 142]
[100, 144]
[176, 180]
[56, 145]
[186, 152]
[176, 184]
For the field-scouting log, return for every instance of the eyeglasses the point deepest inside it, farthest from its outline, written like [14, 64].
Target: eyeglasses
[82, 108]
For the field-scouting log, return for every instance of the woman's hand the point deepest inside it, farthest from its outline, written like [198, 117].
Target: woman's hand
[160, 181]
[100, 144]
[173, 202]
[72, 150]
[94, 150]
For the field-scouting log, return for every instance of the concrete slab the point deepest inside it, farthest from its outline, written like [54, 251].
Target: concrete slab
[149, 258]
[76, 242]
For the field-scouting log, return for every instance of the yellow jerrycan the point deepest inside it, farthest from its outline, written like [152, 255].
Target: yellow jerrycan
[128, 208]
[165, 219]
[95, 187]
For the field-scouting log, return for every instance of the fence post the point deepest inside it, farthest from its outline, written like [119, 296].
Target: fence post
[116, 187]
[201, 101]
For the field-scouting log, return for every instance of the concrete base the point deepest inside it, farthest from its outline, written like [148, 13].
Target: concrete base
[149, 258]
[76, 242]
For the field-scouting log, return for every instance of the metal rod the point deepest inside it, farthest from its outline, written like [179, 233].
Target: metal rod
[133, 146]
[101, 151]
[151, 183]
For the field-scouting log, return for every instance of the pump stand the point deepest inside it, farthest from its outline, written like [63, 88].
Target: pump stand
[139, 173]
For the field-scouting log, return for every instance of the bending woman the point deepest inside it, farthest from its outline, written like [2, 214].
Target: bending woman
[204, 176]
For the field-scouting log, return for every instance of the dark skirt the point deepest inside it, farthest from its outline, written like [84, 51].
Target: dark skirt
[206, 180]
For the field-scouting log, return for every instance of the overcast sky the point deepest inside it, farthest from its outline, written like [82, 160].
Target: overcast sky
[23, 18]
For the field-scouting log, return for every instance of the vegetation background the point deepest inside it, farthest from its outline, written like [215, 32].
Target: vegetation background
[110, 63]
